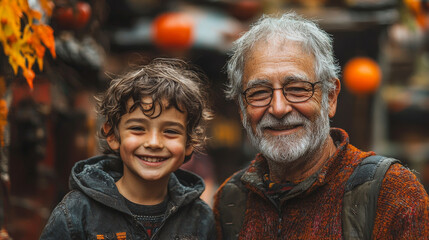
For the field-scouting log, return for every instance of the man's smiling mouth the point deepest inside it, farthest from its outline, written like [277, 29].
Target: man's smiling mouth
[283, 128]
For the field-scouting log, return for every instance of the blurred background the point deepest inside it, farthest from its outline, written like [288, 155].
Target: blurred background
[47, 117]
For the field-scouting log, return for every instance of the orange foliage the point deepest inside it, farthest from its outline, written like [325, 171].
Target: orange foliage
[24, 45]
[3, 111]
[3, 119]
[420, 9]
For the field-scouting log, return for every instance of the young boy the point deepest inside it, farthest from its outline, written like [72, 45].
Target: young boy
[154, 119]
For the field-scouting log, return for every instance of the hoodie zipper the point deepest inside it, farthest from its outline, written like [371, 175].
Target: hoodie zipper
[172, 210]
[136, 222]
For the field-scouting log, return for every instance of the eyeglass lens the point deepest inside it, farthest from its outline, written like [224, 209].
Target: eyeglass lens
[294, 92]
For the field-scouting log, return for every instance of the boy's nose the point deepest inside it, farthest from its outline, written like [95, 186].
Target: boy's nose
[153, 141]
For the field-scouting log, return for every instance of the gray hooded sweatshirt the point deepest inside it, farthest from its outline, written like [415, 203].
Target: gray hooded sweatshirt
[94, 208]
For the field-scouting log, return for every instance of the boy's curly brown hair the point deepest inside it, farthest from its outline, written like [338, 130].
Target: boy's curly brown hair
[180, 84]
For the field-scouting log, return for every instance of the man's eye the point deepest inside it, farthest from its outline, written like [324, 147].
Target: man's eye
[296, 89]
[258, 93]
[297, 92]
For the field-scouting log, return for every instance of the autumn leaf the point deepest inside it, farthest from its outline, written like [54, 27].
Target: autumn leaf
[47, 6]
[3, 110]
[24, 37]
[46, 34]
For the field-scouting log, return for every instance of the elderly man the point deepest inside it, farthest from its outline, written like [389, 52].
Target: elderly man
[285, 79]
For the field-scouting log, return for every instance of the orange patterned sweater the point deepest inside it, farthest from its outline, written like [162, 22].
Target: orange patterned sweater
[315, 212]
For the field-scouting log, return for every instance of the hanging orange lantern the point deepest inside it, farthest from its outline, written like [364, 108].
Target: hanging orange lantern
[173, 30]
[362, 75]
[73, 17]
[245, 9]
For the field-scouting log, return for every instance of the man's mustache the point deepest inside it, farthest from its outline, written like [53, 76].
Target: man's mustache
[292, 119]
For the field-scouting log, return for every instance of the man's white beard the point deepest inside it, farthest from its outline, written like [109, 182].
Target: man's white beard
[288, 148]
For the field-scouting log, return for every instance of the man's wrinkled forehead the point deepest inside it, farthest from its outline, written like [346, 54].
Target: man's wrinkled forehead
[269, 51]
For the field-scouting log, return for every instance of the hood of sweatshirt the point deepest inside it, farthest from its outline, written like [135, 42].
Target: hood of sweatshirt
[96, 178]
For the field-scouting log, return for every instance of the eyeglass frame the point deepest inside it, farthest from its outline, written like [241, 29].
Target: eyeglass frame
[284, 94]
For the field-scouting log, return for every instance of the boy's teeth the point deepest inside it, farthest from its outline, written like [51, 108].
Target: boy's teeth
[151, 159]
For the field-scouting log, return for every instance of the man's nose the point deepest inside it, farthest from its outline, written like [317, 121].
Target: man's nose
[279, 106]
[153, 140]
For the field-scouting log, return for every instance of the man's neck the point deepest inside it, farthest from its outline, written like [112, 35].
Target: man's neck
[302, 168]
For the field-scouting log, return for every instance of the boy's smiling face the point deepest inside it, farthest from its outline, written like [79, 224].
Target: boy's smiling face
[151, 148]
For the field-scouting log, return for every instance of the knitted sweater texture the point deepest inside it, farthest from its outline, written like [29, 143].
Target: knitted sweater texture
[314, 210]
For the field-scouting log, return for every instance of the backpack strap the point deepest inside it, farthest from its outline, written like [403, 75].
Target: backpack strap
[361, 195]
[232, 207]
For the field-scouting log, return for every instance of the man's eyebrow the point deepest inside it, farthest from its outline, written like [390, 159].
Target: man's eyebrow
[289, 78]
[256, 82]
[296, 77]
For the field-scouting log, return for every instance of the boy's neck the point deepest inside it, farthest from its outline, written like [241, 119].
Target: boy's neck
[143, 192]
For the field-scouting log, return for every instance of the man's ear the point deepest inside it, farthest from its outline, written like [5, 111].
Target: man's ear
[111, 139]
[333, 97]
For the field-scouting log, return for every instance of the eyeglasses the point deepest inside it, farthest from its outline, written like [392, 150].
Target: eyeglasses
[294, 92]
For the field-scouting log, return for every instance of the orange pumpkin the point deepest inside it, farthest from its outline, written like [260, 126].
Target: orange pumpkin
[73, 17]
[362, 75]
[173, 30]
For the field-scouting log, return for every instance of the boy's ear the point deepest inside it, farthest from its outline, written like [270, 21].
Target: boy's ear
[111, 139]
[189, 149]
[188, 153]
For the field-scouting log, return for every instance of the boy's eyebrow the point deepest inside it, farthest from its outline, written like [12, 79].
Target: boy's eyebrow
[177, 124]
[168, 123]
[137, 120]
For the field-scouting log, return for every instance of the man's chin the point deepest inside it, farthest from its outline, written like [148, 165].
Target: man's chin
[282, 149]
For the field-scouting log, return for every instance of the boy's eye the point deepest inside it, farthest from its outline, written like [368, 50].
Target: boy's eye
[136, 128]
[172, 131]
